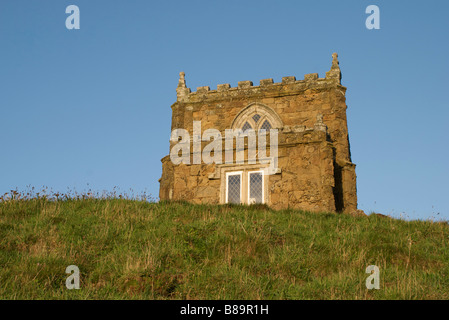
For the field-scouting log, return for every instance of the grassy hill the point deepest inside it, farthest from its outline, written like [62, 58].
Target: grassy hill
[130, 249]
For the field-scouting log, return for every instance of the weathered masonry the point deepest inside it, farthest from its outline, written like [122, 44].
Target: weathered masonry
[314, 172]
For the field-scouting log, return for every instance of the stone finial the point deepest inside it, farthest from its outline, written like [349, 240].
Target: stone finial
[182, 91]
[334, 60]
[334, 72]
[182, 80]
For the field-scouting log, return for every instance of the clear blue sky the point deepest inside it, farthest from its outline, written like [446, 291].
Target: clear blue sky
[93, 105]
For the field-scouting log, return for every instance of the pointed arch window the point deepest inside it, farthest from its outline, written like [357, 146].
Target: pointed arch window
[266, 125]
[257, 116]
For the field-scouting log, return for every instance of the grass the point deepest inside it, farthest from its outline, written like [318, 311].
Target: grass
[135, 249]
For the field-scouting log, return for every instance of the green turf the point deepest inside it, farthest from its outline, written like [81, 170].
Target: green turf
[131, 249]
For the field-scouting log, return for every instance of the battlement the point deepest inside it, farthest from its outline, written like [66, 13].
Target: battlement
[333, 78]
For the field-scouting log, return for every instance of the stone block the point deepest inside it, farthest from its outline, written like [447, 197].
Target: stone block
[245, 84]
[266, 82]
[288, 79]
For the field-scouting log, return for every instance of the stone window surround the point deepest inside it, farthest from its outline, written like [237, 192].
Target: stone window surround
[225, 169]
[245, 187]
[265, 112]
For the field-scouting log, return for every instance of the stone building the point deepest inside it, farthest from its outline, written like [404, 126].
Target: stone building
[313, 171]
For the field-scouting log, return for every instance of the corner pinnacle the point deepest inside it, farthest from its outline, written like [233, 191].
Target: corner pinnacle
[335, 62]
[182, 91]
[182, 80]
[334, 72]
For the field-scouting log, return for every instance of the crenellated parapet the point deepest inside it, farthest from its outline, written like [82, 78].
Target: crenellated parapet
[266, 87]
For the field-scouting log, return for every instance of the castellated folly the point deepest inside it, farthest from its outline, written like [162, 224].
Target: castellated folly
[303, 160]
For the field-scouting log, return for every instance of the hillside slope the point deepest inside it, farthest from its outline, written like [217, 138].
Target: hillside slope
[129, 249]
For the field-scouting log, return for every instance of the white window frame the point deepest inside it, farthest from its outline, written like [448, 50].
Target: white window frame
[234, 173]
[249, 185]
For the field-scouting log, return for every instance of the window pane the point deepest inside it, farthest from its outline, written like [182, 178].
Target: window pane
[234, 188]
[256, 117]
[265, 125]
[246, 126]
[255, 187]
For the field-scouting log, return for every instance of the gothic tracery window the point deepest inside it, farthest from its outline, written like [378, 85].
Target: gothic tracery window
[258, 117]
[257, 125]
